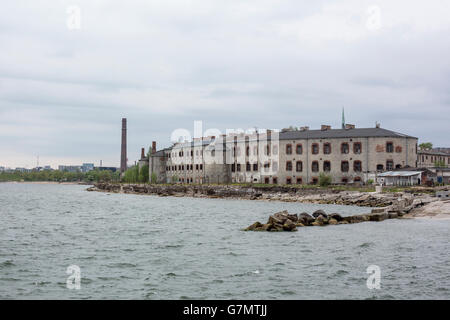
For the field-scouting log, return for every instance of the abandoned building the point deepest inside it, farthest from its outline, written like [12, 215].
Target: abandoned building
[290, 156]
[432, 158]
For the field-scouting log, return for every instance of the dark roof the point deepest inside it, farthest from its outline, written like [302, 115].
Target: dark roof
[433, 153]
[341, 133]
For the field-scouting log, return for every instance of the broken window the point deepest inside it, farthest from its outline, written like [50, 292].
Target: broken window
[357, 166]
[315, 166]
[344, 166]
[344, 148]
[289, 149]
[299, 149]
[288, 165]
[357, 148]
[327, 148]
[315, 148]
[299, 166]
[389, 147]
[326, 166]
[389, 164]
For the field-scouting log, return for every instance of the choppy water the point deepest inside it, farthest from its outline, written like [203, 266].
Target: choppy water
[148, 247]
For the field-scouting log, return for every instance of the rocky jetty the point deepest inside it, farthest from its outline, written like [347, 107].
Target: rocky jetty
[285, 221]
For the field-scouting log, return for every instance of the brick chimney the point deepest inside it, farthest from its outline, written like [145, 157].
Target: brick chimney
[142, 153]
[153, 147]
[349, 126]
[325, 127]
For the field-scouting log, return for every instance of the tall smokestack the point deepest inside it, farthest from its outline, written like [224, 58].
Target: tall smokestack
[123, 154]
[153, 147]
[142, 153]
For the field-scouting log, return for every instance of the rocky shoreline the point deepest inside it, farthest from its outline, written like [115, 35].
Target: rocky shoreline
[275, 193]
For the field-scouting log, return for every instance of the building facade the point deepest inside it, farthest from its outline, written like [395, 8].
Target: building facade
[349, 155]
[432, 158]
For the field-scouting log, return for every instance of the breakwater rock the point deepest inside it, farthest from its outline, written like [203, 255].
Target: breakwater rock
[285, 221]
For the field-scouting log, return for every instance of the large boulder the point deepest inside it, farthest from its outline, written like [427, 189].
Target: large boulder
[289, 225]
[305, 219]
[332, 221]
[319, 213]
[254, 226]
[336, 216]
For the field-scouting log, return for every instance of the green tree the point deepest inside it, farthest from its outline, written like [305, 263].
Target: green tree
[154, 177]
[426, 146]
[324, 180]
[143, 174]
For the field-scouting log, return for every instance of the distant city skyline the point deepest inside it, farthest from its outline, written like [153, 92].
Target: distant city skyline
[269, 64]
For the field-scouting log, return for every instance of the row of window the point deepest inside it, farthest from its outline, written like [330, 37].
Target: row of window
[299, 180]
[182, 166]
[315, 149]
[345, 166]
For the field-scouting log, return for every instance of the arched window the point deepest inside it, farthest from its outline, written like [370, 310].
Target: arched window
[327, 148]
[299, 149]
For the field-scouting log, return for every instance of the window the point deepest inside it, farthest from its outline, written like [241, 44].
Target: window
[357, 166]
[248, 167]
[275, 166]
[266, 167]
[357, 148]
[315, 166]
[299, 166]
[255, 167]
[344, 180]
[274, 180]
[196, 167]
[299, 149]
[233, 167]
[201, 167]
[315, 148]
[289, 149]
[247, 152]
[344, 148]
[267, 150]
[275, 150]
[380, 167]
[288, 180]
[326, 148]
[326, 166]
[344, 166]
[389, 147]
[299, 181]
[238, 167]
[315, 181]
[389, 164]
[398, 166]
[266, 180]
[288, 165]
[357, 179]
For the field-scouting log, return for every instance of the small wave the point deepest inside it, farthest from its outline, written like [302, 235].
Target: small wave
[7, 263]
[122, 265]
[366, 245]
[171, 274]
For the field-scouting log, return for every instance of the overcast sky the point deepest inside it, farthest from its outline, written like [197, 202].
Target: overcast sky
[231, 64]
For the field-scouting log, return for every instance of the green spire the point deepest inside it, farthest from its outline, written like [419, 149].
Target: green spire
[343, 118]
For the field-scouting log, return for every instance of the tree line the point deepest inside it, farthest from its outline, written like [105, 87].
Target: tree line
[61, 176]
